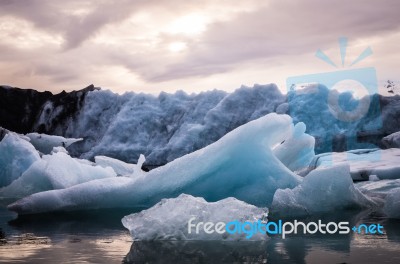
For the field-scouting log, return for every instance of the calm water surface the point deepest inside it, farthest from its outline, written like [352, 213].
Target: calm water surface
[99, 237]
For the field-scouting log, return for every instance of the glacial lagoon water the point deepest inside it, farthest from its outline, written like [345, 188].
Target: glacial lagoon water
[99, 237]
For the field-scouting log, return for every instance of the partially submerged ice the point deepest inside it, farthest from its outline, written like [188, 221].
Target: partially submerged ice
[322, 190]
[168, 219]
[241, 164]
[383, 163]
[386, 193]
[16, 156]
[392, 140]
[392, 204]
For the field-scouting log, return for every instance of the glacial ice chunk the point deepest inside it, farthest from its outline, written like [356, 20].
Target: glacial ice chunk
[380, 187]
[381, 191]
[56, 171]
[45, 143]
[168, 219]
[16, 156]
[384, 163]
[241, 164]
[373, 178]
[120, 167]
[296, 152]
[322, 190]
[392, 204]
[59, 149]
[392, 141]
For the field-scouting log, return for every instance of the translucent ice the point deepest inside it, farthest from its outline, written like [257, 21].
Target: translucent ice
[296, 152]
[240, 165]
[45, 143]
[120, 167]
[168, 219]
[16, 156]
[322, 190]
[56, 171]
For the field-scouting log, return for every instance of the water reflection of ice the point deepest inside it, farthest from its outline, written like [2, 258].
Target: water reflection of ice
[351, 248]
[77, 238]
[91, 238]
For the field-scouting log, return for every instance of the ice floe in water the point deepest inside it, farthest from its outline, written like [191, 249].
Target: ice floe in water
[241, 164]
[16, 156]
[169, 219]
[392, 141]
[322, 190]
[383, 163]
[253, 163]
[384, 192]
[392, 204]
[380, 187]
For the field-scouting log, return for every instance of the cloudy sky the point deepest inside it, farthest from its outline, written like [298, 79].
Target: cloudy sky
[152, 46]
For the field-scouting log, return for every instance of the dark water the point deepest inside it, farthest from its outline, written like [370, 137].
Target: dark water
[99, 237]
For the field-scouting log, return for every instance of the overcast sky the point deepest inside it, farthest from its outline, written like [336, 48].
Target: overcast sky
[152, 46]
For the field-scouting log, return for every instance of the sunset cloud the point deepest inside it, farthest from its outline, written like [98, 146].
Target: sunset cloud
[153, 45]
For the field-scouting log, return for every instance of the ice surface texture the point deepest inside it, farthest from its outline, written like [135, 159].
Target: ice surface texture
[322, 190]
[56, 171]
[120, 167]
[384, 164]
[16, 156]
[45, 143]
[392, 204]
[163, 127]
[168, 219]
[241, 165]
[168, 126]
[392, 141]
[296, 152]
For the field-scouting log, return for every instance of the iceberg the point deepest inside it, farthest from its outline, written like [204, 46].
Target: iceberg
[296, 152]
[322, 190]
[45, 143]
[385, 193]
[383, 163]
[3, 133]
[392, 141]
[16, 156]
[392, 204]
[168, 219]
[120, 167]
[169, 126]
[378, 188]
[241, 165]
[311, 104]
[56, 171]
